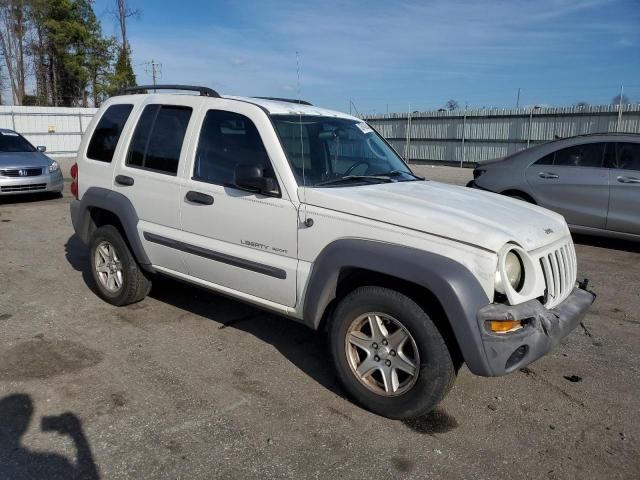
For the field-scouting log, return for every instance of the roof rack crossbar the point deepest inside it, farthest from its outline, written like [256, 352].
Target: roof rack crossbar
[288, 100]
[204, 91]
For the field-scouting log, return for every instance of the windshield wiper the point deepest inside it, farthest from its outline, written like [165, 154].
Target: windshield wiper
[396, 173]
[353, 178]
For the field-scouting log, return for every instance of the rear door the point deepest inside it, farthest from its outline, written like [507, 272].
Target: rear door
[148, 174]
[573, 182]
[624, 177]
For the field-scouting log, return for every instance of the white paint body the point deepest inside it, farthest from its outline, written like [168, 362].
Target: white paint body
[466, 225]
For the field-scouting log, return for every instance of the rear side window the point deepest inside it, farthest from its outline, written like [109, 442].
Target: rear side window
[105, 137]
[588, 155]
[628, 156]
[227, 140]
[157, 140]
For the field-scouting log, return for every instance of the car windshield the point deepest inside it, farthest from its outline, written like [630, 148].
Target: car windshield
[13, 142]
[332, 152]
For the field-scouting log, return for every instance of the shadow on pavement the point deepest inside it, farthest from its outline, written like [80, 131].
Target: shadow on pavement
[300, 345]
[19, 462]
[603, 242]
[28, 198]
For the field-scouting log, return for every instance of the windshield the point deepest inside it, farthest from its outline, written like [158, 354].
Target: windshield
[337, 152]
[13, 142]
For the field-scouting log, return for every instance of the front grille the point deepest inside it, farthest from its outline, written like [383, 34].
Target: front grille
[24, 188]
[21, 172]
[559, 267]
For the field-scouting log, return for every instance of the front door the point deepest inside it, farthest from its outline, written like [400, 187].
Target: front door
[236, 239]
[624, 206]
[572, 182]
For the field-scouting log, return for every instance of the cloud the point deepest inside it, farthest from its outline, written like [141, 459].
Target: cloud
[350, 48]
[624, 43]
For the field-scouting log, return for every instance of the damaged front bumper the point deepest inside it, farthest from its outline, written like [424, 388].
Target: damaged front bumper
[542, 329]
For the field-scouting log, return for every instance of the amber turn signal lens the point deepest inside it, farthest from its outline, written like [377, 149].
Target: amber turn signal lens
[504, 326]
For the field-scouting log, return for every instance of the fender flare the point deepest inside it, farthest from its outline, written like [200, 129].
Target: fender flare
[115, 203]
[456, 288]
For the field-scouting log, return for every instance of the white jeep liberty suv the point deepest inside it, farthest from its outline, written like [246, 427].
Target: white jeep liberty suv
[309, 213]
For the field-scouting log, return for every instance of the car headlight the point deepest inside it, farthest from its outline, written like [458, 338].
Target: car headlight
[513, 272]
[54, 167]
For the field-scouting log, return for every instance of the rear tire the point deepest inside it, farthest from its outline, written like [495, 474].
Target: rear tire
[518, 197]
[356, 349]
[117, 276]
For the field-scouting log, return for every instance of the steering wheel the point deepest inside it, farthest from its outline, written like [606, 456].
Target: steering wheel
[354, 166]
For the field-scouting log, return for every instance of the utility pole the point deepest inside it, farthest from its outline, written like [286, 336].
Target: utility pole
[464, 128]
[620, 108]
[407, 145]
[153, 73]
[156, 71]
[531, 123]
[518, 99]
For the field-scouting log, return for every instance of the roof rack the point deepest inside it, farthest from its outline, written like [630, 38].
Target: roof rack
[204, 91]
[288, 100]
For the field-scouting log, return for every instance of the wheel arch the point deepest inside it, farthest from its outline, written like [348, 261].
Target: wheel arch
[435, 282]
[100, 206]
[513, 191]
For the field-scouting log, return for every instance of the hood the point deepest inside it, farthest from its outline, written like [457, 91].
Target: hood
[467, 215]
[23, 159]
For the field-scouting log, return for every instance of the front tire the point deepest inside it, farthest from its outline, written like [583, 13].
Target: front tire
[388, 354]
[117, 277]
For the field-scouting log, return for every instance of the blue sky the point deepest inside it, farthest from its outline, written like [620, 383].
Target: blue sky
[387, 54]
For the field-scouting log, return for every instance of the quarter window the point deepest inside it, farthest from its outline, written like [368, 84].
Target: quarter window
[157, 140]
[105, 137]
[588, 155]
[547, 159]
[227, 140]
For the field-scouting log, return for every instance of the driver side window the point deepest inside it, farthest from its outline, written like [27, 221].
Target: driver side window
[227, 140]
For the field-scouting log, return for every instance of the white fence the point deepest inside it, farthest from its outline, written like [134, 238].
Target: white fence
[59, 129]
[421, 136]
[486, 134]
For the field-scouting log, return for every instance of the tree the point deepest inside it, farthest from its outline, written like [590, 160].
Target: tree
[12, 45]
[581, 104]
[3, 83]
[100, 54]
[72, 58]
[123, 75]
[452, 105]
[620, 99]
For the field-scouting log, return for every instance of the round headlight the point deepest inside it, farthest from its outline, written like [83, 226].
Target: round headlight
[513, 271]
[54, 167]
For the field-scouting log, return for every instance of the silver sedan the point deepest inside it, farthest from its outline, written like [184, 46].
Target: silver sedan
[25, 168]
[592, 180]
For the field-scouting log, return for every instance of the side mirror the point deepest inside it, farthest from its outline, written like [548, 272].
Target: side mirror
[251, 178]
[41, 148]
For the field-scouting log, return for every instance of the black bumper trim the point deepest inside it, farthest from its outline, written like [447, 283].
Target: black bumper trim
[544, 330]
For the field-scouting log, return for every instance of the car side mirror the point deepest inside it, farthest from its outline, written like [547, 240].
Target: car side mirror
[251, 178]
[41, 148]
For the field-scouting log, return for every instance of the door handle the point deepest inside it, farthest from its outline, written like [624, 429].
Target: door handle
[622, 179]
[197, 197]
[124, 180]
[547, 175]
